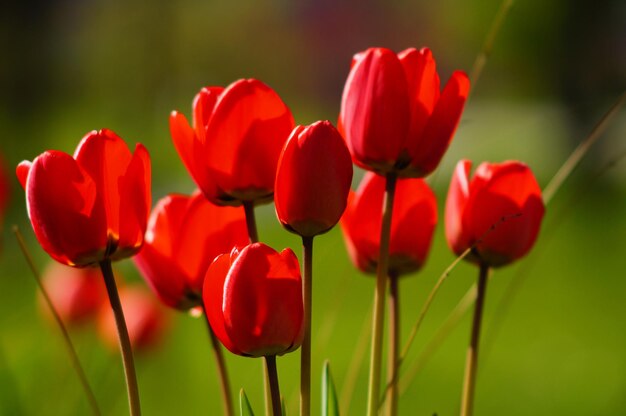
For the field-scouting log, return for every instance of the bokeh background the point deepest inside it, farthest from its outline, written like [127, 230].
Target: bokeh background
[554, 341]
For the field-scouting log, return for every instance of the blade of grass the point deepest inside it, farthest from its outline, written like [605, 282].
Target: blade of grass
[80, 372]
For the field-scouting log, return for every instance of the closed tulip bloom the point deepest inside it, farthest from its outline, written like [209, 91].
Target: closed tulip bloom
[91, 206]
[185, 234]
[500, 210]
[313, 179]
[232, 147]
[146, 320]
[393, 114]
[77, 294]
[253, 299]
[412, 225]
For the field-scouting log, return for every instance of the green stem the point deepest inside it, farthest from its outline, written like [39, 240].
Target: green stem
[82, 377]
[270, 365]
[471, 363]
[221, 368]
[394, 345]
[379, 297]
[305, 351]
[253, 235]
[122, 332]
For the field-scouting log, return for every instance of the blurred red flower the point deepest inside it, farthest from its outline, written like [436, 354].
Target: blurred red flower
[253, 299]
[413, 223]
[231, 150]
[77, 294]
[185, 234]
[146, 320]
[505, 196]
[393, 115]
[313, 179]
[91, 206]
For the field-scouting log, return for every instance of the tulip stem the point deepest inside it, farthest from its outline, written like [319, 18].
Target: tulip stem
[394, 345]
[305, 351]
[124, 340]
[221, 368]
[471, 363]
[91, 398]
[253, 235]
[379, 297]
[270, 365]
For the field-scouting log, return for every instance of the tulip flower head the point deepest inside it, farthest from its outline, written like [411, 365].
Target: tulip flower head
[313, 179]
[185, 234]
[499, 211]
[91, 206]
[232, 147]
[413, 223]
[253, 299]
[393, 114]
[77, 294]
[146, 320]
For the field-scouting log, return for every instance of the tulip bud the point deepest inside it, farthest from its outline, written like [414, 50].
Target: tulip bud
[253, 300]
[499, 211]
[313, 179]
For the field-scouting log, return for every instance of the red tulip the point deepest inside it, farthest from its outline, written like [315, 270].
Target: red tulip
[505, 196]
[146, 320]
[92, 206]
[184, 235]
[232, 149]
[77, 294]
[313, 179]
[253, 299]
[393, 114]
[413, 223]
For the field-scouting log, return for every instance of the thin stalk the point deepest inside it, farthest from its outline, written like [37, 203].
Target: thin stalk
[270, 364]
[305, 351]
[122, 333]
[253, 235]
[80, 372]
[394, 345]
[379, 297]
[221, 369]
[471, 363]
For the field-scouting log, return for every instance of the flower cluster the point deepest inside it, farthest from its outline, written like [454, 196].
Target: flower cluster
[201, 252]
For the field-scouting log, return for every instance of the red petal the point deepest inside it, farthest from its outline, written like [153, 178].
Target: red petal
[423, 81]
[22, 172]
[203, 106]
[457, 235]
[510, 200]
[213, 296]
[433, 143]
[61, 200]
[375, 109]
[245, 136]
[313, 179]
[135, 202]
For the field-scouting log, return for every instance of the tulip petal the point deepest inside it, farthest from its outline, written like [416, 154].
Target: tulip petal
[375, 110]
[426, 153]
[458, 193]
[61, 200]
[423, 82]
[22, 172]
[213, 294]
[245, 136]
[203, 105]
[508, 199]
[135, 202]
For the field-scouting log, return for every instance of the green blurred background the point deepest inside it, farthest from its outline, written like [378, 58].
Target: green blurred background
[554, 338]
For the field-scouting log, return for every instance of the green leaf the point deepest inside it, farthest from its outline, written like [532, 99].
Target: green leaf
[282, 405]
[330, 404]
[244, 405]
